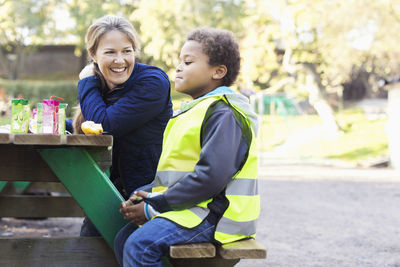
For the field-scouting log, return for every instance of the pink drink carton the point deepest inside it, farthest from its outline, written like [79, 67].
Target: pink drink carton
[50, 116]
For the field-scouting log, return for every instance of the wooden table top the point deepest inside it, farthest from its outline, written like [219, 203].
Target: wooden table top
[56, 140]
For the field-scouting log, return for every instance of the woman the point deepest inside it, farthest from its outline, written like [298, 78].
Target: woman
[131, 100]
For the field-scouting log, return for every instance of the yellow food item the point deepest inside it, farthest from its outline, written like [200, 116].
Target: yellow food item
[89, 127]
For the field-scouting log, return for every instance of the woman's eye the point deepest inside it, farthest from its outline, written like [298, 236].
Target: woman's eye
[109, 52]
[128, 51]
[188, 62]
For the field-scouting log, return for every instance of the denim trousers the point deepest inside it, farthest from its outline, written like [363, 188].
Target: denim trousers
[146, 245]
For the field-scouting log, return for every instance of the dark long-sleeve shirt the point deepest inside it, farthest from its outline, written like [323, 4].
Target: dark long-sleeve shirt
[135, 113]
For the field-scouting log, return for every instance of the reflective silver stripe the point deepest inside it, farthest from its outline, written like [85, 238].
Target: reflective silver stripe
[200, 212]
[228, 226]
[168, 178]
[243, 187]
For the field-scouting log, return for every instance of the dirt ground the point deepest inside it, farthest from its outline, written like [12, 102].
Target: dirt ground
[312, 214]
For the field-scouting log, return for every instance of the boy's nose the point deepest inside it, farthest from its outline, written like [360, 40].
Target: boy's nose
[179, 67]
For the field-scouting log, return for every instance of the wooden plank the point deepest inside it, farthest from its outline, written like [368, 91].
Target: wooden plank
[4, 138]
[28, 206]
[204, 262]
[102, 156]
[23, 163]
[14, 188]
[196, 250]
[89, 186]
[38, 139]
[40, 188]
[89, 140]
[245, 249]
[51, 140]
[56, 252]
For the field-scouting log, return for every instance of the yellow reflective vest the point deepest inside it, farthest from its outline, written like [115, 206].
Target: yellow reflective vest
[181, 151]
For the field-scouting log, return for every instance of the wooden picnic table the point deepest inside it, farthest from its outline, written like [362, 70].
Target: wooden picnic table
[80, 163]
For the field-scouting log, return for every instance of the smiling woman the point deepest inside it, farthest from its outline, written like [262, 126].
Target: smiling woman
[115, 58]
[131, 100]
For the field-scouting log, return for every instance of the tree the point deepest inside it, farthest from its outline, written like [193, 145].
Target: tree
[84, 12]
[164, 24]
[22, 23]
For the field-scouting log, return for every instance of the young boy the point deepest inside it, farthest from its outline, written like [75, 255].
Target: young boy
[205, 189]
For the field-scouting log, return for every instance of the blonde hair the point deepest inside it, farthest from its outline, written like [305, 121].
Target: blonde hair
[106, 24]
[100, 27]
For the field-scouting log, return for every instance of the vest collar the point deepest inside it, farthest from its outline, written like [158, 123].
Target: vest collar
[219, 91]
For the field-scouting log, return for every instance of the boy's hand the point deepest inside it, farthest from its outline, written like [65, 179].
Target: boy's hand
[87, 71]
[134, 212]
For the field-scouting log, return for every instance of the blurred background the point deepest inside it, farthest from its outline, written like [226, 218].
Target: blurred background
[323, 75]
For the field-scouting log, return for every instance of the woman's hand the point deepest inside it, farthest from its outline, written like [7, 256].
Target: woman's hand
[87, 71]
[134, 212]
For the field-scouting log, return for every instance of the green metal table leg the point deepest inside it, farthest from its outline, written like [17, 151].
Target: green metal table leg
[89, 186]
[2, 185]
[21, 186]
[16, 187]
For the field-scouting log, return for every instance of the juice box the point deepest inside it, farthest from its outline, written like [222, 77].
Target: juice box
[20, 115]
[61, 118]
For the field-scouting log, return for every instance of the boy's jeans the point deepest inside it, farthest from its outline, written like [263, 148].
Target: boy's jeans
[144, 246]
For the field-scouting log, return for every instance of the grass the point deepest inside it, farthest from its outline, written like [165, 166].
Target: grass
[360, 138]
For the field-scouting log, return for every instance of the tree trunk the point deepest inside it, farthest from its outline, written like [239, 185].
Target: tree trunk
[4, 62]
[315, 89]
[321, 106]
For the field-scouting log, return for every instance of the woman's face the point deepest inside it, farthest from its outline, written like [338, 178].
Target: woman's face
[115, 57]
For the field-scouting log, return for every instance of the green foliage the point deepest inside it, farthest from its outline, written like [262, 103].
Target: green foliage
[36, 91]
[85, 12]
[163, 25]
[337, 38]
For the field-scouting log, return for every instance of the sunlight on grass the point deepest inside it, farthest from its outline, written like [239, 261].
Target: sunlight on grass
[276, 129]
[359, 139]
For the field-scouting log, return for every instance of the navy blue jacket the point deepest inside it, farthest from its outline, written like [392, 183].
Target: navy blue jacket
[135, 113]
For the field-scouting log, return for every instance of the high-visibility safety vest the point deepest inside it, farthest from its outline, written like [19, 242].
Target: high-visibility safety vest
[181, 151]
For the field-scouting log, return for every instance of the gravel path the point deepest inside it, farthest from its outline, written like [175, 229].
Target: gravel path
[318, 215]
[312, 215]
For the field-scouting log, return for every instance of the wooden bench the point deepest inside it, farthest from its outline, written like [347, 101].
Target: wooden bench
[80, 164]
[208, 254]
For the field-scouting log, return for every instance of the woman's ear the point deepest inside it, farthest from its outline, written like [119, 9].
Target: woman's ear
[219, 72]
[94, 59]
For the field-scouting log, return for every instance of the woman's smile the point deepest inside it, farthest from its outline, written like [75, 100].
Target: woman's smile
[115, 57]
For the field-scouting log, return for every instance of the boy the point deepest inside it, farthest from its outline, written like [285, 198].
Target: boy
[205, 189]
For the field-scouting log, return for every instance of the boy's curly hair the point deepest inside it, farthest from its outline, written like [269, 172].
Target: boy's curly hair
[221, 48]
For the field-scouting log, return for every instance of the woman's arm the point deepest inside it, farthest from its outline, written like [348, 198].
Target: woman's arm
[146, 98]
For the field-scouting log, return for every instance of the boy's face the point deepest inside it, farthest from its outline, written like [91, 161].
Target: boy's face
[194, 76]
